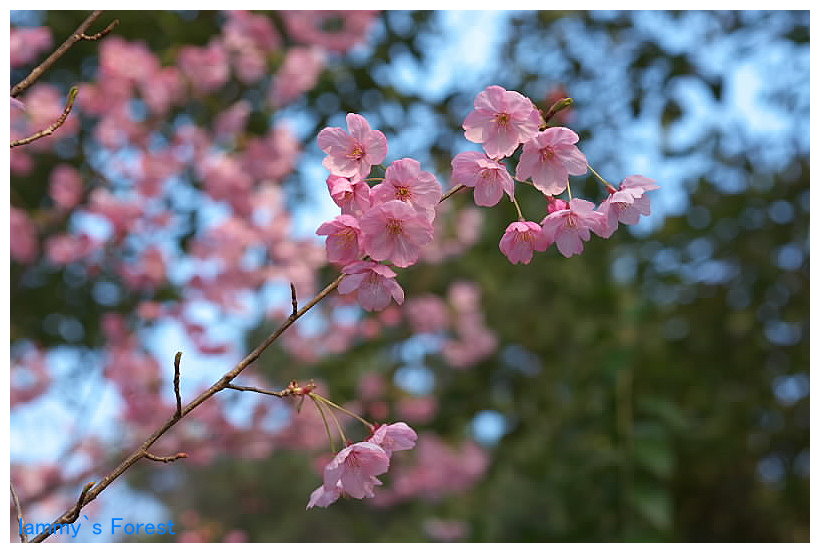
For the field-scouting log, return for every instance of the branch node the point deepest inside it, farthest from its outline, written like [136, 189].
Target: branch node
[168, 459]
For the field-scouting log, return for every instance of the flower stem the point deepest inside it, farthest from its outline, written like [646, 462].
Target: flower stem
[324, 420]
[517, 208]
[608, 186]
[343, 410]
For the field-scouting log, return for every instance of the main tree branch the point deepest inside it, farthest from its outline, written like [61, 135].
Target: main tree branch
[78, 35]
[223, 383]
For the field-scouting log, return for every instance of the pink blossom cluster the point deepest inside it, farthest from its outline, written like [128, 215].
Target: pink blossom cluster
[504, 121]
[390, 222]
[354, 469]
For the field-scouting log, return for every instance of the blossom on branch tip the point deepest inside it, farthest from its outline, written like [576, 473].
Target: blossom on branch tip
[404, 180]
[502, 120]
[521, 239]
[375, 283]
[395, 231]
[627, 204]
[394, 437]
[343, 239]
[488, 177]
[549, 158]
[354, 469]
[568, 227]
[352, 154]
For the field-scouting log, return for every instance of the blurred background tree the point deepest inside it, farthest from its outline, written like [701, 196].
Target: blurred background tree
[654, 388]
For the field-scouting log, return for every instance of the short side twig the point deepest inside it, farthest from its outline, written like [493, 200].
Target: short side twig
[72, 95]
[20, 521]
[76, 36]
[452, 191]
[168, 459]
[293, 302]
[177, 359]
[98, 36]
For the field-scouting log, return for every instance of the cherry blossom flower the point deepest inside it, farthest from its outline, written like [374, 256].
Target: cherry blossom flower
[550, 158]
[394, 230]
[627, 204]
[343, 239]
[352, 154]
[375, 283]
[323, 497]
[353, 196]
[404, 180]
[568, 227]
[521, 239]
[394, 437]
[24, 247]
[354, 468]
[488, 178]
[26, 44]
[502, 120]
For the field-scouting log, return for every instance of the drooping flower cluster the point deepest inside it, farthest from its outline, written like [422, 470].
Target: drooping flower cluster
[504, 120]
[390, 222]
[354, 469]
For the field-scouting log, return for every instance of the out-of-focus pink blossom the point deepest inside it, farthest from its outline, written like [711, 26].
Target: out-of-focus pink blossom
[569, 227]
[375, 283]
[404, 180]
[394, 230]
[336, 30]
[502, 120]
[244, 29]
[352, 154]
[427, 313]
[419, 409]
[23, 247]
[343, 239]
[394, 437]
[26, 44]
[63, 249]
[445, 530]
[16, 104]
[272, 156]
[299, 73]
[207, 68]
[488, 177]
[549, 158]
[233, 120]
[521, 239]
[66, 186]
[627, 204]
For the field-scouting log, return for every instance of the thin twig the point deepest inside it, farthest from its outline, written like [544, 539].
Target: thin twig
[98, 36]
[177, 359]
[255, 389]
[20, 521]
[76, 36]
[293, 300]
[452, 191]
[168, 459]
[72, 95]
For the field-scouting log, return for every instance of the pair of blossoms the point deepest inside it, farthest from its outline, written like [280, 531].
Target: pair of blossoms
[354, 469]
[393, 220]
